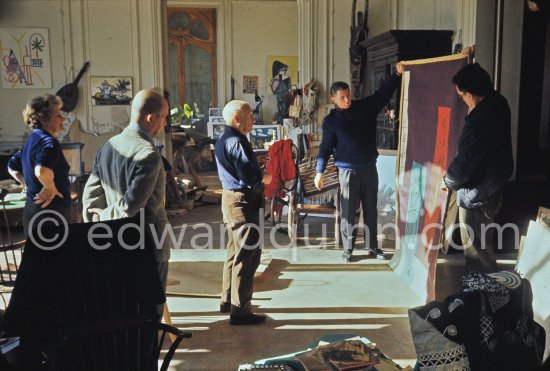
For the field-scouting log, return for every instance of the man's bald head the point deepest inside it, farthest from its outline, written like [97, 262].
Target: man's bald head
[145, 102]
[149, 110]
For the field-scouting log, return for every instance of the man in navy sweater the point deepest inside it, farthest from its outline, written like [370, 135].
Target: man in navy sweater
[349, 131]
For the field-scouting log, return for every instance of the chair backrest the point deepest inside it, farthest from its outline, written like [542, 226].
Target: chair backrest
[124, 344]
[10, 253]
[308, 172]
[88, 279]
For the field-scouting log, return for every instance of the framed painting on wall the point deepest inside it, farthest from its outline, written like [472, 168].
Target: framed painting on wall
[250, 84]
[262, 134]
[109, 91]
[26, 58]
[282, 72]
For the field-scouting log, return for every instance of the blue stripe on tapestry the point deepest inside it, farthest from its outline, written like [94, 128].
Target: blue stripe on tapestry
[417, 184]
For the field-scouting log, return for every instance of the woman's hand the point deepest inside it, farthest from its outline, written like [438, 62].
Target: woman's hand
[46, 196]
[49, 190]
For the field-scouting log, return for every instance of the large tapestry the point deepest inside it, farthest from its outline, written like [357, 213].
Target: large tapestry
[432, 116]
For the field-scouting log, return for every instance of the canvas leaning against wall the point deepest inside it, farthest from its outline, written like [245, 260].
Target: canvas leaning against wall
[215, 129]
[25, 58]
[386, 203]
[263, 134]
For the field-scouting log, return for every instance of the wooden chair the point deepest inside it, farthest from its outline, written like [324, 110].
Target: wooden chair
[294, 193]
[122, 344]
[10, 254]
[299, 210]
[82, 306]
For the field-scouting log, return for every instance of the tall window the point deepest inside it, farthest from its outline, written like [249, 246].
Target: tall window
[192, 58]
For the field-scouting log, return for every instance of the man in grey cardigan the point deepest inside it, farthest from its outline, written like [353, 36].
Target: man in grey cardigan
[128, 175]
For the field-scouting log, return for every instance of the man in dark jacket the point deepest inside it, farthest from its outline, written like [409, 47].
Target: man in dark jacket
[349, 131]
[482, 166]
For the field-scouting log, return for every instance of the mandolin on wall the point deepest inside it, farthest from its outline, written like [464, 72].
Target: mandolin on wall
[69, 93]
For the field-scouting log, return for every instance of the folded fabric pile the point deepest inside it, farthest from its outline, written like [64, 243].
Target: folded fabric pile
[488, 326]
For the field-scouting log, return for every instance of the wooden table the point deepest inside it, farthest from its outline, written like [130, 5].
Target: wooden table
[14, 211]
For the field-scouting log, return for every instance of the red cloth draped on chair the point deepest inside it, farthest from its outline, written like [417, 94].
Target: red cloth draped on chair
[281, 166]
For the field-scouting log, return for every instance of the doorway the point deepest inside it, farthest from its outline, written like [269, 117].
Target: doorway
[192, 77]
[534, 105]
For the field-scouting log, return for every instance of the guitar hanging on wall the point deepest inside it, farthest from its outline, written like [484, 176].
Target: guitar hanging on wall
[69, 93]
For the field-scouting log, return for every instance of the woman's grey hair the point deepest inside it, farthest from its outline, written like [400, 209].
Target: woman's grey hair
[231, 108]
[38, 111]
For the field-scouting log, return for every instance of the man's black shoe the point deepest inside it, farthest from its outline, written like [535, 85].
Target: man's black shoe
[346, 257]
[377, 253]
[225, 307]
[247, 319]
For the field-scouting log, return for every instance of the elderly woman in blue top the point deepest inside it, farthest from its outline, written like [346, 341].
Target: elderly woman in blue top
[40, 166]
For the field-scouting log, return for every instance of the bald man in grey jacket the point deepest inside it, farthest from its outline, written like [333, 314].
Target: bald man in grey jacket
[128, 174]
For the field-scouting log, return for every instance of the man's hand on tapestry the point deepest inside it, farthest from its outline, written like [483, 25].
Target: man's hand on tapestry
[399, 68]
[470, 52]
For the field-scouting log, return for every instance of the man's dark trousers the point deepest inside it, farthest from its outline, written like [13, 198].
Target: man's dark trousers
[478, 239]
[359, 186]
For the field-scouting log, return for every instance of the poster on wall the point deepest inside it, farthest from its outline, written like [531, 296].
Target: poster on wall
[282, 72]
[109, 91]
[250, 84]
[432, 116]
[25, 58]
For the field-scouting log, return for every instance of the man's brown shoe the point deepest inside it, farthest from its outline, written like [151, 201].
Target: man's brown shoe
[247, 319]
